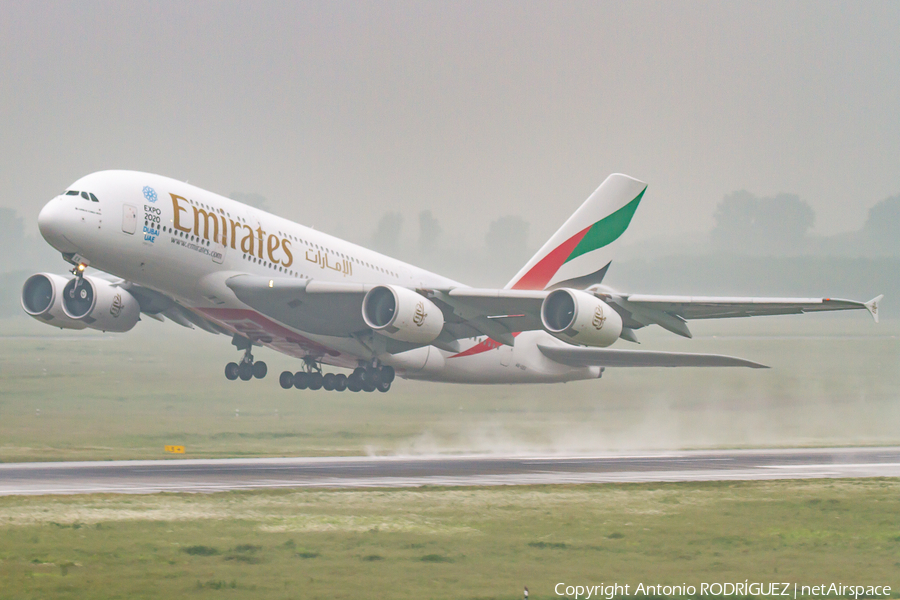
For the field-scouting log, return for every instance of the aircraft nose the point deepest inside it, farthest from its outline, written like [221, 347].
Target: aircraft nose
[51, 223]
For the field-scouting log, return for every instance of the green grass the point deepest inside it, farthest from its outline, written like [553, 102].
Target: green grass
[447, 543]
[84, 395]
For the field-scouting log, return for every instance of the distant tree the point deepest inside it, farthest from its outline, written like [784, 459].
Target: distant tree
[12, 240]
[12, 231]
[257, 200]
[387, 234]
[881, 231]
[747, 224]
[429, 231]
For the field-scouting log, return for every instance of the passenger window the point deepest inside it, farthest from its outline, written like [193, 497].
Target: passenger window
[85, 196]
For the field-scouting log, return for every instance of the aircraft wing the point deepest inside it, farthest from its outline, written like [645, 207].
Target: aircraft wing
[574, 356]
[672, 312]
[317, 307]
[335, 309]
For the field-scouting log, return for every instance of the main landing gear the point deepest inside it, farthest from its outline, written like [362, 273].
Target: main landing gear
[367, 379]
[248, 369]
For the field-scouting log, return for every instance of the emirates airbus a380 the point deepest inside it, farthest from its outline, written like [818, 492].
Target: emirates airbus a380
[169, 250]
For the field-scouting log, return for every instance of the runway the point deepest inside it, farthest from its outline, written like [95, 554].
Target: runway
[214, 475]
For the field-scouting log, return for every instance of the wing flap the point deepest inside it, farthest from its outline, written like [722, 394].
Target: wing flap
[605, 357]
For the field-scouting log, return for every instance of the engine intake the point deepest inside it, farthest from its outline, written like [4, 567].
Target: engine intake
[100, 305]
[578, 317]
[42, 299]
[402, 314]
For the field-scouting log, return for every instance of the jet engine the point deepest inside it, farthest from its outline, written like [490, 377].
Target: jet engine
[581, 318]
[402, 314]
[42, 299]
[100, 305]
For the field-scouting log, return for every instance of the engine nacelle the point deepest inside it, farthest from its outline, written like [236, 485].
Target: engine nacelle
[581, 318]
[100, 305]
[402, 314]
[42, 299]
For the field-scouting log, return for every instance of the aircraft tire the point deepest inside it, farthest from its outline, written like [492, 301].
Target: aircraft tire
[328, 382]
[245, 371]
[368, 387]
[315, 381]
[371, 376]
[286, 379]
[260, 369]
[301, 380]
[231, 371]
[387, 374]
[353, 383]
[383, 386]
[340, 382]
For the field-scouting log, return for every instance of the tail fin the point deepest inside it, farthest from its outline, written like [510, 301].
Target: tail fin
[581, 251]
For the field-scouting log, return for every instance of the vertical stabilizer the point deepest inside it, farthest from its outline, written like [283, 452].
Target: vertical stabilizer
[579, 253]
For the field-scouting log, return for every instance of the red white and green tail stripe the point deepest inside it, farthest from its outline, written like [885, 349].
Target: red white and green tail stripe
[582, 246]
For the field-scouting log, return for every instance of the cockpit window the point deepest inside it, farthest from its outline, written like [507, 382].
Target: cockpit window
[84, 195]
[94, 198]
[71, 193]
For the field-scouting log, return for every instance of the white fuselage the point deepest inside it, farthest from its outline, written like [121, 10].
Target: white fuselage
[185, 242]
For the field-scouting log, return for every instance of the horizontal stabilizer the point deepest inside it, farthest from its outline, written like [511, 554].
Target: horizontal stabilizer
[605, 357]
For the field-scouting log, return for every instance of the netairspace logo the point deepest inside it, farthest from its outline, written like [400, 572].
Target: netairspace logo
[739, 588]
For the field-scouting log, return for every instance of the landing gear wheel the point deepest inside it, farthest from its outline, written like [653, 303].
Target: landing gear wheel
[340, 382]
[383, 386]
[387, 374]
[328, 381]
[231, 371]
[260, 369]
[371, 376]
[245, 371]
[301, 380]
[368, 387]
[353, 383]
[315, 381]
[286, 379]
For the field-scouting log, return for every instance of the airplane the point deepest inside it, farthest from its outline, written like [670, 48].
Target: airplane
[168, 250]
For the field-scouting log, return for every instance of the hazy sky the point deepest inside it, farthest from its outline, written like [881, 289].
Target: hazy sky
[338, 111]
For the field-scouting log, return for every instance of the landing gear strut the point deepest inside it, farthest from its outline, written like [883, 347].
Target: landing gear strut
[247, 369]
[368, 378]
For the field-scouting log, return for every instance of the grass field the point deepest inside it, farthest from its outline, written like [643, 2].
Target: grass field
[448, 543]
[86, 395]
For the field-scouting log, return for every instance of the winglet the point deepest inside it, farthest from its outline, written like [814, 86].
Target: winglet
[872, 306]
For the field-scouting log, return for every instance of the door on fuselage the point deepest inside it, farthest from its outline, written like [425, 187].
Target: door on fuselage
[129, 219]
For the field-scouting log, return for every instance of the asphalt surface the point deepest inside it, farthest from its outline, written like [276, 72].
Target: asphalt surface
[193, 475]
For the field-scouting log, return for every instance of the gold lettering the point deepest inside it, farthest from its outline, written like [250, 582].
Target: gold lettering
[206, 218]
[272, 246]
[234, 226]
[176, 208]
[261, 234]
[286, 245]
[224, 231]
[245, 246]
